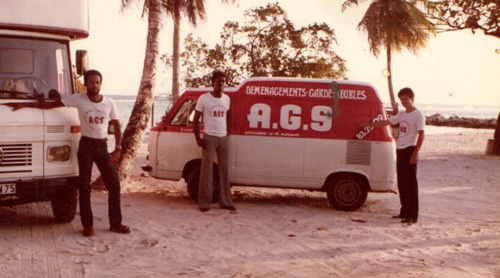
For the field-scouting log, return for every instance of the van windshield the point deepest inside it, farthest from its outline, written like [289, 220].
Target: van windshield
[33, 68]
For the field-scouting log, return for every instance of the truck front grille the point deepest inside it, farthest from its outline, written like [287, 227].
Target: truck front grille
[16, 155]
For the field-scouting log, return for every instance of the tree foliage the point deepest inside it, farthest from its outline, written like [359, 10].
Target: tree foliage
[266, 44]
[394, 25]
[453, 15]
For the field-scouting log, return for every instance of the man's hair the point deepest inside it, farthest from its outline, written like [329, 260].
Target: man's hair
[89, 73]
[406, 92]
[217, 74]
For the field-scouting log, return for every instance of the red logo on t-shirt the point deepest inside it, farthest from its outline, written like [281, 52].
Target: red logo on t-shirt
[218, 111]
[404, 127]
[218, 114]
[95, 119]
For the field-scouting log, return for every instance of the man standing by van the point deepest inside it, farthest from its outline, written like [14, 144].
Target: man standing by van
[214, 107]
[411, 137]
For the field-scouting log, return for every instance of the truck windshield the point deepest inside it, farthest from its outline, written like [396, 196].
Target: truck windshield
[33, 68]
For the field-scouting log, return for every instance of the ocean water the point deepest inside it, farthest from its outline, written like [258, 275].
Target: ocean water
[161, 106]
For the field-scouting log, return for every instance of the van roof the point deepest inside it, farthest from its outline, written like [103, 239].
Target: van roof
[286, 79]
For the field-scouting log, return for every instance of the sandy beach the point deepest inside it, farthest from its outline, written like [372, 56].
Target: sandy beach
[278, 233]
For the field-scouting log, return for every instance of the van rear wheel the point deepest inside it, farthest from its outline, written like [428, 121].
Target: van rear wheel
[347, 192]
[193, 182]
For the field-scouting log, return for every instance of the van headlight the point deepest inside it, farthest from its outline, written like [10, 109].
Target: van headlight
[58, 153]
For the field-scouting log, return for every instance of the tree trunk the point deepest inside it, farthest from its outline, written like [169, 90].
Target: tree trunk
[177, 57]
[139, 119]
[496, 142]
[389, 81]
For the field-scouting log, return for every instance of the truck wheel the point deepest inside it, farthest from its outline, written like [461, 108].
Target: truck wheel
[193, 181]
[64, 204]
[347, 192]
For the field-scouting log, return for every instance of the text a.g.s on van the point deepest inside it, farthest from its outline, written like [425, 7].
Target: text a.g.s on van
[287, 133]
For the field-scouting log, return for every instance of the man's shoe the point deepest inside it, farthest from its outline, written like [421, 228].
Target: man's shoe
[88, 231]
[231, 208]
[121, 229]
[204, 209]
[399, 216]
[409, 220]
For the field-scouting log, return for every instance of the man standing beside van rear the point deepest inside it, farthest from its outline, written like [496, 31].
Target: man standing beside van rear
[411, 137]
[214, 107]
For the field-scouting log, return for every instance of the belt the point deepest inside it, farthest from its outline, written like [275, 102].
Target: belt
[94, 139]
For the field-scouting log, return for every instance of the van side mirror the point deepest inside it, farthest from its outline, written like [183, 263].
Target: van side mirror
[82, 62]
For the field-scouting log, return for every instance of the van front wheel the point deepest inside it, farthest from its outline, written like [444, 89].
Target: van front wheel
[193, 181]
[347, 192]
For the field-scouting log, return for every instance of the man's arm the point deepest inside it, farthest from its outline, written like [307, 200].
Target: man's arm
[39, 104]
[196, 128]
[228, 115]
[420, 141]
[115, 155]
[377, 124]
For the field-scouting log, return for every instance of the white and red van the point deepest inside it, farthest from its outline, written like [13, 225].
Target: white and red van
[287, 133]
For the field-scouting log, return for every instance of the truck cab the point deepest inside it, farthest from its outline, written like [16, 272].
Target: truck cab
[38, 147]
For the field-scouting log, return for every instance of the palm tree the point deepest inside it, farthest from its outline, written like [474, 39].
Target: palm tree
[134, 132]
[192, 9]
[394, 24]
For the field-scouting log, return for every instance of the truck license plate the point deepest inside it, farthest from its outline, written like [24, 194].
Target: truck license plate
[7, 188]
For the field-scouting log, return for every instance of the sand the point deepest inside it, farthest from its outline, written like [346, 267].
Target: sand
[278, 233]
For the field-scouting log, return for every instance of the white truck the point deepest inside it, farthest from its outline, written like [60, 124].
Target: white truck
[38, 147]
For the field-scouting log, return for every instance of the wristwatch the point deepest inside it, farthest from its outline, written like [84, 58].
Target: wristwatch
[118, 147]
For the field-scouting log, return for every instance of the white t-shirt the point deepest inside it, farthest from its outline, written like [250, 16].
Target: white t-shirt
[214, 113]
[94, 117]
[409, 125]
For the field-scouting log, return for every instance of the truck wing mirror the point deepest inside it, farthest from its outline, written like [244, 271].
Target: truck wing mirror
[82, 62]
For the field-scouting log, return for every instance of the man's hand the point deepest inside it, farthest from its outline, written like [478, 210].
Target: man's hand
[115, 156]
[414, 158]
[15, 105]
[200, 142]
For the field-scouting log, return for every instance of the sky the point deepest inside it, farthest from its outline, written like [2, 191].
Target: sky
[458, 68]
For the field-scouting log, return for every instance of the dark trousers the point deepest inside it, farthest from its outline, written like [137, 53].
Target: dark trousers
[407, 183]
[90, 151]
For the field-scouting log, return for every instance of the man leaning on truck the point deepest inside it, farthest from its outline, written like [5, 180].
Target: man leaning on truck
[94, 111]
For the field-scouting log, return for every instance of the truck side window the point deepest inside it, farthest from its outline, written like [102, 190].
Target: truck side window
[185, 114]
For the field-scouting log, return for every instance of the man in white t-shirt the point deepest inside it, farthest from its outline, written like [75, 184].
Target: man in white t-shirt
[95, 112]
[214, 107]
[411, 137]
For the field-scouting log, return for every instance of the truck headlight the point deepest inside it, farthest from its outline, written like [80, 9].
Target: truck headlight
[58, 153]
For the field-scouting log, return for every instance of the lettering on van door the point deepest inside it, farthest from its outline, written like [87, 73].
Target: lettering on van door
[367, 129]
[291, 119]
